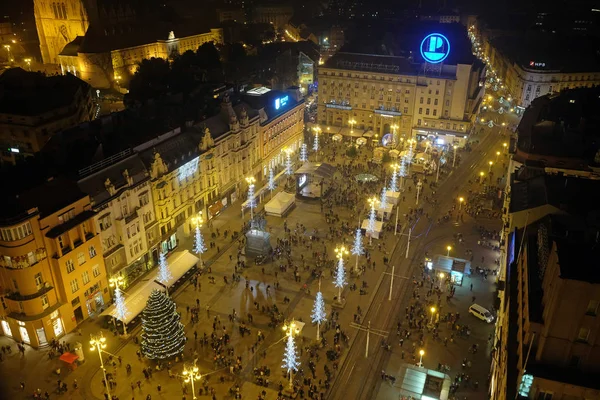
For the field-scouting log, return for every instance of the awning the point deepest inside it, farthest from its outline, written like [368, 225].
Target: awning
[322, 170]
[352, 132]
[69, 358]
[369, 134]
[135, 300]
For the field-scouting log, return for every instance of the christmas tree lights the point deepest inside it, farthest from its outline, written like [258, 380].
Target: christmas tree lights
[394, 179]
[340, 278]
[199, 247]
[303, 152]
[372, 219]
[162, 332]
[383, 201]
[289, 170]
[358, 248]
[402, 171]
[164, 273]
[318, 312]
[290, 358]
[271, 184]
[316, 142]
[120, 308]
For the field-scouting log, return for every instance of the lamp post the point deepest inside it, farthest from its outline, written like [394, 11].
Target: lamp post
[340, 252]
[352, 122]
[441, 275]
[454, 155]
[505, 145]
[199, 247]
[497, 155]
[448, 248]
[317, 130]
[481, 175]
[490, 163]
[432, 309]
[117, 282]
[460, 201]
[28, 62]
[394, 135]
[421, 353]
[7, 47]
[251, 181]
[99, 343]
[191, 374]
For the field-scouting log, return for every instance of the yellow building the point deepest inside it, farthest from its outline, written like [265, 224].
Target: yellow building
[51, 267]
[387, 94]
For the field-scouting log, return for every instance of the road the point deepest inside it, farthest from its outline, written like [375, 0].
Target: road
[358, 377]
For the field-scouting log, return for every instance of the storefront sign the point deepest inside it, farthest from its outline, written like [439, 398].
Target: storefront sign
[281, 102]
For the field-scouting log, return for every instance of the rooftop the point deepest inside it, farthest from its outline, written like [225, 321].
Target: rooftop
[31, 93]
[268, 103]
[372, 63]
[557, 52]
[566, 125]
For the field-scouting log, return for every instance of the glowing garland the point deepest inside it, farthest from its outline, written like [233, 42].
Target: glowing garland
[162, 332]
[199, 247]
[164, 273]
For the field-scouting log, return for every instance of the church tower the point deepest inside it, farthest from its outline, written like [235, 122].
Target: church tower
[59, 22]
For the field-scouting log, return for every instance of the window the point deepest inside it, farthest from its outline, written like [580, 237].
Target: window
[434, 112]
[405, 110]
[421, 100]
[44, 301]
[85, 277]
[429, 100]
[583, 335]
[64, 217]
[435, 102]
[447, 103]
[574, 361]
[96, 270]
[74, 285]
[418, 122]
[592, 308]
[70, 266]
[75, 302]
[81, 258]
[38, 279]
[104, 222]
[544, 396]
[420, 111]
[92, 252]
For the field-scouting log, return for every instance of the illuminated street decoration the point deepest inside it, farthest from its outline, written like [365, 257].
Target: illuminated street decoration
[435, 48]
[188, 169]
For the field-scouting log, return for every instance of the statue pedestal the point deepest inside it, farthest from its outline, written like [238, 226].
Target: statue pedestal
[338, 304]
[258, 243]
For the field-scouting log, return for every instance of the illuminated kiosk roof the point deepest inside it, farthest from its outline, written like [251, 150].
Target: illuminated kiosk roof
[321, 170]
[422, 383]
[258, 91]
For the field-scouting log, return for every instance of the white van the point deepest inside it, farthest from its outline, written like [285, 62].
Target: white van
[481, 313]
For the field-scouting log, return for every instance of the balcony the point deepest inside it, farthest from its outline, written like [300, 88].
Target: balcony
[89, 235]
[16, 296]
[132, 216]
[24, 261]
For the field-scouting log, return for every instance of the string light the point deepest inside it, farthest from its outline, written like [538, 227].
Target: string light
[163, 335]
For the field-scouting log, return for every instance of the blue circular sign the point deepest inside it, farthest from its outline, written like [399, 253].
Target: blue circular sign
[435, 48]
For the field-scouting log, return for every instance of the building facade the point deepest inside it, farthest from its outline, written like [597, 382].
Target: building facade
[53, 274]
[28, 119]
[121, 196]
[274, 14]
[382, 92]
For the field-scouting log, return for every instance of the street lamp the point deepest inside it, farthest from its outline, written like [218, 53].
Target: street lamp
[198, 247]
[421, 353]
[7, 47]
[394, 136]
[490, 163]
[505, 145]
[250, 180]
[432, 309]
[460, 201]
[441, 275]
[454, 156]
[290, 330]
[448, 248]
[481, 175]
[497, 155]
[191, 374]
[99, 343]
[28, 62]
[117, 282]
[352, 122]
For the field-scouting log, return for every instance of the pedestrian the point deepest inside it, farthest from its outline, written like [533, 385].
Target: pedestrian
[22, 386]
[473, 299]
[471, 287]
[401, 341]
[158, 388]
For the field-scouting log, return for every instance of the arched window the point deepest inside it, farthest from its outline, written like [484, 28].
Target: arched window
[55, 11]
[64, 10]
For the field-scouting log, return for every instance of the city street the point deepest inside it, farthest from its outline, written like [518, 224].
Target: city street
[294, 296]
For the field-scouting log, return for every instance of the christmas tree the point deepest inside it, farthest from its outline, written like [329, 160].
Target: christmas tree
[358, 248]
[164, 273]
[340, 278]
[318, 312]
[316, 142]
[199, 247]
[120, 308]
[162, 332]
[290, 358]
[394, 181]
[289, 170]
[383, 201]
[303, 153]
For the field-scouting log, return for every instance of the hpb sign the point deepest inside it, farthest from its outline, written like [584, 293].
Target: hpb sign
[435, 48]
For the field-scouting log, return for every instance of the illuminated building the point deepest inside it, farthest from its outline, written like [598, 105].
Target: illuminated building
[121, 195]
[34, 107]
[379, 92]
[281, 124]
[102, 42]
[274, 14]
[52, 270]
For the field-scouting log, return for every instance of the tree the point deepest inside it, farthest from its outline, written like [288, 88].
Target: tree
[394, 181]
[318, 312]
[352, 152]
[303, 153]
[290, 358]
[316, 143]
[358, 248]
[383, 201]
[151, 79]
[271, 184]
[371, 226]
[164, 273]
[162, 332]
[199, 247]
[103, 63]
[120, 307]
[340, 278]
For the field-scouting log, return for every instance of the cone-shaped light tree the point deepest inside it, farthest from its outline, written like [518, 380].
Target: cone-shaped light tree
[402, 171]
[290, 358]
[199, 246]
[289, 170]
[163, 336]
[340, 274]
[318, 312]
[394, 179]
[383, 201]
[164, 273]
[372, 219]
[357, 248]
[303, 152]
